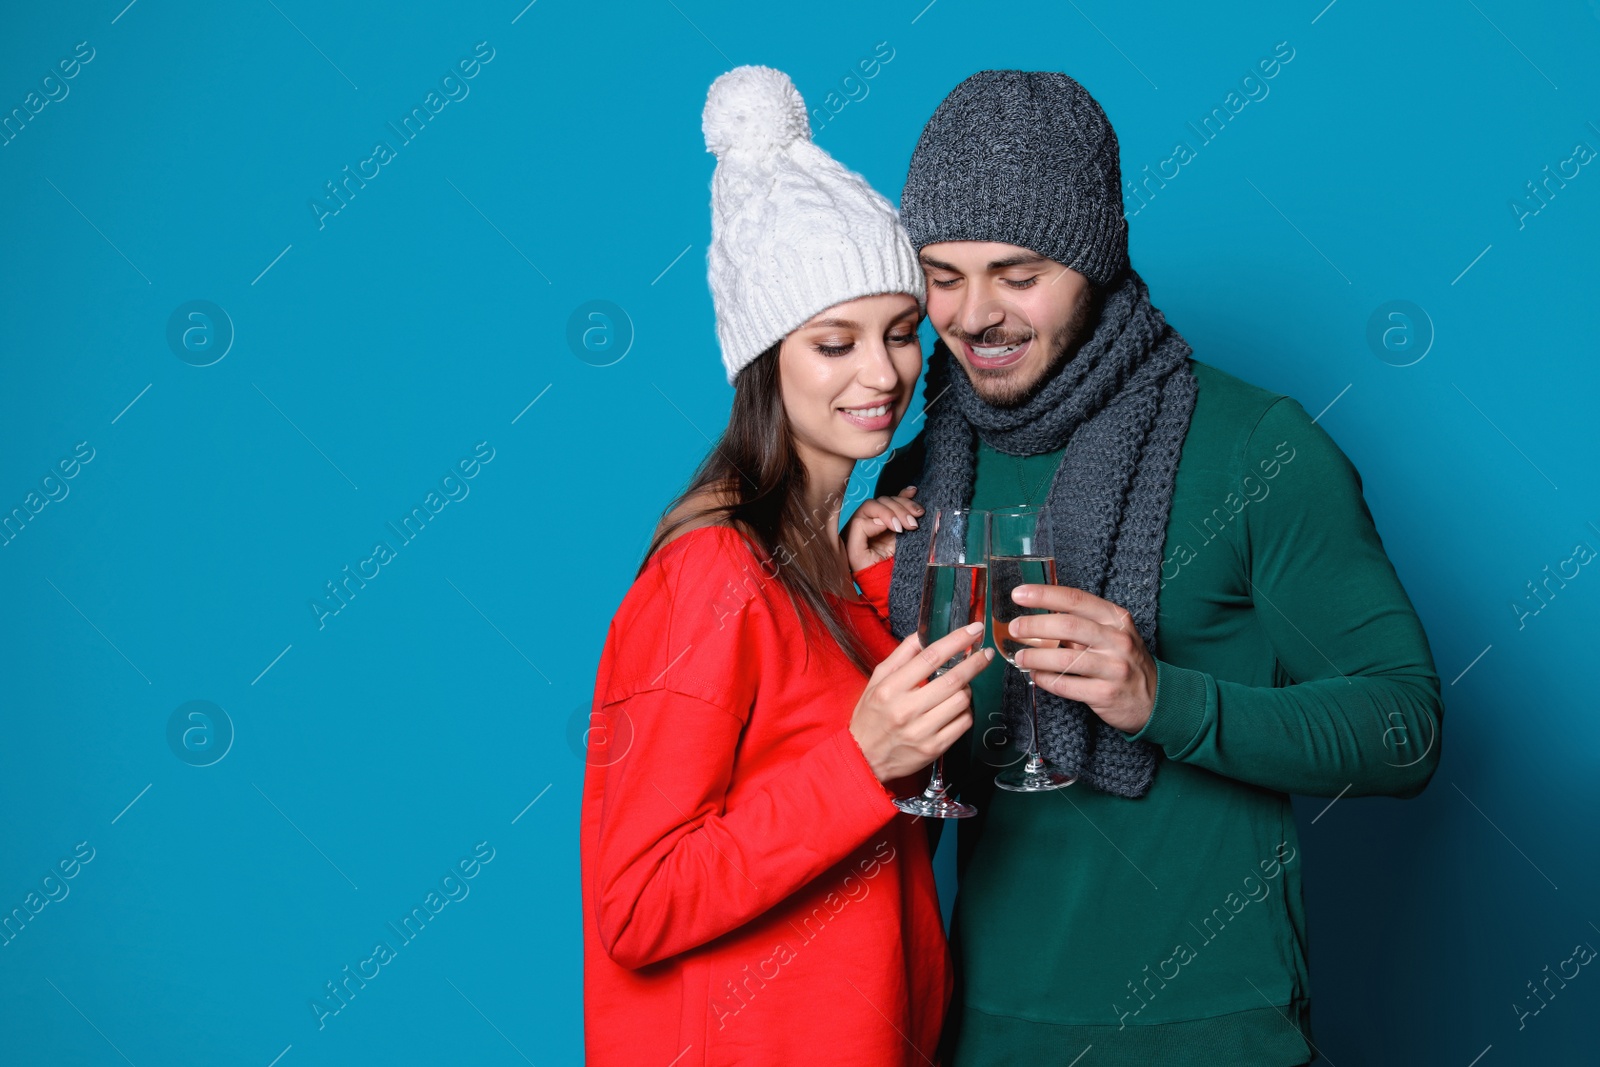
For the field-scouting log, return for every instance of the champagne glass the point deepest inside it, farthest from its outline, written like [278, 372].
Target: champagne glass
[953, 590]
[1022, 552]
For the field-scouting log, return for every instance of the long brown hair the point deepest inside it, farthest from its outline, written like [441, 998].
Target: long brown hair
[756, 471]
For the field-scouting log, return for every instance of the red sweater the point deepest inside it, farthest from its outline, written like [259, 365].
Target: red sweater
[750, 894]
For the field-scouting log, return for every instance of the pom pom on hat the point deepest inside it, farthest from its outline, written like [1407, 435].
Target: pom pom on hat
[753, 109]
[792, 230]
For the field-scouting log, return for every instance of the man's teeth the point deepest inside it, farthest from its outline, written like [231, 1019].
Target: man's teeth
[869, 413]
[995, 353]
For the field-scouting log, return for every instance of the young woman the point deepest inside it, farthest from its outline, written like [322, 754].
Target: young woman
[750, 893]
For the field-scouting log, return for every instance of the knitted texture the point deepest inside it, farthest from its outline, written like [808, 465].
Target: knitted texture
[792, 231]
[1026, 158]
[1120, 407]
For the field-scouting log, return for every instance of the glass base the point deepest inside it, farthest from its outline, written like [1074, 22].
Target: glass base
[1036, 775]
[940, 807]
[935, 802]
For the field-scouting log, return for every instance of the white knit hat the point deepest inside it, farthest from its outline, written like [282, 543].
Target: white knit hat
[792, 231]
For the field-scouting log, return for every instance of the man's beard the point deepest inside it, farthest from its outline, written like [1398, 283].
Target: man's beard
[1000, 388]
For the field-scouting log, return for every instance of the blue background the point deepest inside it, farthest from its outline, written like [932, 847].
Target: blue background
[442, 705]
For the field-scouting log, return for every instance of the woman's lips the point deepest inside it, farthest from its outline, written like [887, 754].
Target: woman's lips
[870, 422]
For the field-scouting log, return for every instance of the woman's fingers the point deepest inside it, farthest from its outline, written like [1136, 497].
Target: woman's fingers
[882, 517]
[902, 508]
[860, 532]
[897, 513]
[876, 515]
[963, 673]
[956, 678]
[909, 675]
[942, 725]
[948, 686]
[952, 731]
[966, 670]
[903, 654]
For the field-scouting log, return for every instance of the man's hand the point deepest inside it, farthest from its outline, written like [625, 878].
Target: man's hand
[1101, 661]
[869, 536]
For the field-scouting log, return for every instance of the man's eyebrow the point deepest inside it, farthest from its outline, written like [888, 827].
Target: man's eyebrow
[851, 324]
[1021, 259]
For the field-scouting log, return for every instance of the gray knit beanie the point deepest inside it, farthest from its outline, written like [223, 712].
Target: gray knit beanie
[1026, 158]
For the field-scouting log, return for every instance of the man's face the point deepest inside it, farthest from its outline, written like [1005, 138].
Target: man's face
[1011, 316]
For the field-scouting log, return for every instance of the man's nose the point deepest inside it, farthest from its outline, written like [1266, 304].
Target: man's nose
[979, 312]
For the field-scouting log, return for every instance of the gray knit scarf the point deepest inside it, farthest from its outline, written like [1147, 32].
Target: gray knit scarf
[1121, 407]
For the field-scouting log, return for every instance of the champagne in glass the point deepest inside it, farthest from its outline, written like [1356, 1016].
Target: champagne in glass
[1021, 553]
[1010, 572]
[953, 596]
[954, 589]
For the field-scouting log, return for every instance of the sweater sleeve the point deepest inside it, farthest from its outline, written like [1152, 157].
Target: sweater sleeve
[1357, 704]
[873, 581]
[676, 865]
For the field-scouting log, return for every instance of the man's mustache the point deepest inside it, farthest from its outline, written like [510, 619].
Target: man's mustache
[996, 336]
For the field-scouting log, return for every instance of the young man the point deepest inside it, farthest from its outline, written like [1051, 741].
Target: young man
[1230, 630]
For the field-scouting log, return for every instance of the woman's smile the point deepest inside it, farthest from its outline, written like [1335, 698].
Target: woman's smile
[874, 418]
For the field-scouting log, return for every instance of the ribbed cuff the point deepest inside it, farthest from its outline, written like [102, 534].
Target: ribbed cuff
[1179, 712]
[856, 760]
[874, 582]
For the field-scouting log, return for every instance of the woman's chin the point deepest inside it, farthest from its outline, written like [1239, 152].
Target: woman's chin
[867, 445]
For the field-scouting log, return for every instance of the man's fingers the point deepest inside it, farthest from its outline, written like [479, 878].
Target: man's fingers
[1066, 600]
[1056, 626]
[1081, 662]
[1091, 691]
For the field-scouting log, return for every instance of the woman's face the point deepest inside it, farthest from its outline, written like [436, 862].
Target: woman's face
[847, 375]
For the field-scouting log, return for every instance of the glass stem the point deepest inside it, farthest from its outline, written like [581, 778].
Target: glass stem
[936, 786]
[1034, 764]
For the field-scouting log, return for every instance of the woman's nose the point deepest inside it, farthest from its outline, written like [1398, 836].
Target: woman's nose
[879, 371]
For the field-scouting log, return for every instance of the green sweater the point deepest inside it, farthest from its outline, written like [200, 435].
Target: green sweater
[1170, 929]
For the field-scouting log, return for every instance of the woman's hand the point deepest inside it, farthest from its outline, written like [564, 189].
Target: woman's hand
[903, 725]
[869, 536]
